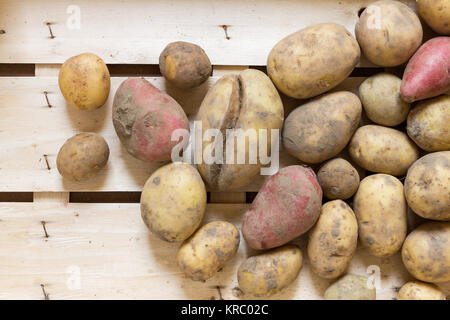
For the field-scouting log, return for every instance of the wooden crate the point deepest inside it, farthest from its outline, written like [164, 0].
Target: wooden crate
[59, 240]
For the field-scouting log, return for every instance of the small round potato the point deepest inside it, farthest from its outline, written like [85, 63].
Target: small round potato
[384, 150]
[380, 208]
[350, 287]
[436, 14]
[333, 240]
[429, 124]
[84, 81]
[82, 156]
[389, 33]
[417, 290]
[208, 250]
[338, 179]
[426, 252]
[380, 97]
[184, 64]
[269, 273]
[427, 186]
[173, 201]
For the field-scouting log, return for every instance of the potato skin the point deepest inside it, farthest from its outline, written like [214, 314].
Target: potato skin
[245, 101]
[436, 14]
[426, 253]
[173, 201]
[301, 65]
[270, 272]
[428, 124]
[84, 81]
[380, 97]
[427, 186]
[320, 129]
[333, 240]
[417, 290]
[350, 287]
[208, 250]
[286, 206]
[383, 150]
[184, 64]
[82, 156]
[144, 119]
[338, 179]
[380, 208]
[389, 33]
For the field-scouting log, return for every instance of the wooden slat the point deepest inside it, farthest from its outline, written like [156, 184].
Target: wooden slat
[104, 251]
[136, 31]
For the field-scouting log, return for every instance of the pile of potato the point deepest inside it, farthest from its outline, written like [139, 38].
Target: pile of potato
[382, 151]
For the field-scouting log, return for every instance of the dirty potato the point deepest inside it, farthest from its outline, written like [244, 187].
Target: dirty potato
[350, 287]
[237, 106]
[389, 33]
[320, 129]
[82, 156]
[380, 97]
[270, 272]
[333, 240]
[84, 81]
[417, 290]
[383, 150]
[313, 60]
[380, 208]
[426, 252]
[338, 179]
[173, 201]
[184, 64]
[427, 186]
[208, 250]
[429, 124]
[436, 14]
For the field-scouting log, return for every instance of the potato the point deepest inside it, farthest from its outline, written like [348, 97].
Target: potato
[270, 272]
[82, 156]
[429, 124]
[380, 97]
[313, 60]
[417, 290]
[389, 33]
[247, 101]
[436, 14]
[321, 128]
[426, 74]
[427, 186]
[286, 206]
[350, 287]
[383, 150]
[184, 64]
[338, 179]
[145, 118]
[333, 240]
[173, 201]
[426, 252]
[208, 250]
[380, 208]
[84, 81]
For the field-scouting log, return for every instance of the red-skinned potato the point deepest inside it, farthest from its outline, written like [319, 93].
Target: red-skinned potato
[144, 118]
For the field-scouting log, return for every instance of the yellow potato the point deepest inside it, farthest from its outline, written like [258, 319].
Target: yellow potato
[417, 290]
[384, 150]
[427, 186]
[313, 60]
[208, 250]
[333, 240]
[426, 252]
[436, 14]
[270, 272]
[389, 33]
[173, 201]
[338, 179]
[84, 81]
[380, 208]
[350, 287]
